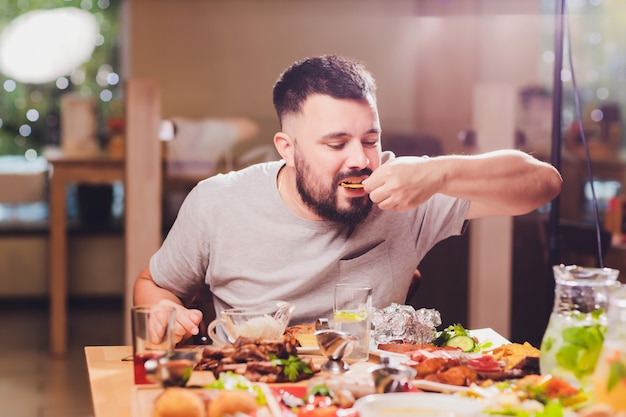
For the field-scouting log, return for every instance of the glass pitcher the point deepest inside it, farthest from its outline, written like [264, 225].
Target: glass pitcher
[575, 333]
[609, 377]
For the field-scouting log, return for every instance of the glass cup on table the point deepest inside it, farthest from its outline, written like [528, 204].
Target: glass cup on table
[264, 321]
[352, 314]
[153, 336]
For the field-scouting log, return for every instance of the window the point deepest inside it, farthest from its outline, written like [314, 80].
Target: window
[29, 111]
[597, 32]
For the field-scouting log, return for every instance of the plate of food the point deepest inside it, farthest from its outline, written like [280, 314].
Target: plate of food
[488, 338]
[416, 404]
[259, 360]
[458, 358]
[229, 395]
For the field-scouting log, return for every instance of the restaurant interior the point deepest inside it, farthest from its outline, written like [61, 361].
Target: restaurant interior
[454, 76]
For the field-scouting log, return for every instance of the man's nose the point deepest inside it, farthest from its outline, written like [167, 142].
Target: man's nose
[357, 157]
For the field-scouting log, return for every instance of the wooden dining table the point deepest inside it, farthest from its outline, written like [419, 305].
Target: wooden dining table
[114, 393]
[111, 378]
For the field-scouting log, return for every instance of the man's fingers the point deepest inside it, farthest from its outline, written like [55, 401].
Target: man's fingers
[190, 320]
[185, 324]
[156, 328]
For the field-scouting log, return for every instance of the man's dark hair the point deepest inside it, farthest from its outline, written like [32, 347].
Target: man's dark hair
[331, 75]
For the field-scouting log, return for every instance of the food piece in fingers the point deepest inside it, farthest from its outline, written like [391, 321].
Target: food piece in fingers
[351, 185]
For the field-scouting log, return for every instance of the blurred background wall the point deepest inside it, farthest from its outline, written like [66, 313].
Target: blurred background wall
[221, 58]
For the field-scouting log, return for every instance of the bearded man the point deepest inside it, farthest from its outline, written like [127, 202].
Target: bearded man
[335, 209]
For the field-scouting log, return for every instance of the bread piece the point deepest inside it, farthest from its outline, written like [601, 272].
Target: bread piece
[304, 334]
[301, 329]
[230, 403]
[178, 402]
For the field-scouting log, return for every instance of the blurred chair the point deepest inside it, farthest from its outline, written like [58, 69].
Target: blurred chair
[195, 149]
[23, 184]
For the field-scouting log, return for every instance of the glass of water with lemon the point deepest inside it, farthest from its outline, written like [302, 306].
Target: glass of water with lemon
[352, 314]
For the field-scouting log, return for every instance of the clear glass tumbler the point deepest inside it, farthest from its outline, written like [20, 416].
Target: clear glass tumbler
[352, 314]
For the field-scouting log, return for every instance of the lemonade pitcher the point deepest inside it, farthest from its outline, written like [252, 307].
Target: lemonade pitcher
[575, 333]
[609, 378]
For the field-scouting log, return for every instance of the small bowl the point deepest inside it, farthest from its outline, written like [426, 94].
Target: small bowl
[264, 321]
[390, 378]
[417, 404]
[173, 369]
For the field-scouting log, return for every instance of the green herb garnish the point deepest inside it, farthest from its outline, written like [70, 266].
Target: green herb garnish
[232, 381]
[292, 366]
[321, 390]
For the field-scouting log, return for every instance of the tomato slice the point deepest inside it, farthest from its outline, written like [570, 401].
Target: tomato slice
[484, 363]
[310, 410]
[319, 401]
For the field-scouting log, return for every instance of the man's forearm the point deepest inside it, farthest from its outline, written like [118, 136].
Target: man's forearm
[146, 291]
[501, 182]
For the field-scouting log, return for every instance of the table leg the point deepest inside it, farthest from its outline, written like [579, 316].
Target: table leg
[58, 266]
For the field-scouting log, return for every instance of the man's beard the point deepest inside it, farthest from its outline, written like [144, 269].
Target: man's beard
[324, 201]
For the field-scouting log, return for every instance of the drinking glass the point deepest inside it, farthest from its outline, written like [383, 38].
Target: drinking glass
[153, 336]
[352, 314]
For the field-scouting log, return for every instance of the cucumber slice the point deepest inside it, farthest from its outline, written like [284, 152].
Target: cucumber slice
[466, 343]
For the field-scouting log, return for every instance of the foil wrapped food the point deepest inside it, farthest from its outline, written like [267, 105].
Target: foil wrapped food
[398, 323]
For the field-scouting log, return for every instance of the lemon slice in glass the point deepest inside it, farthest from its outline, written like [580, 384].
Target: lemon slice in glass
[349, 316]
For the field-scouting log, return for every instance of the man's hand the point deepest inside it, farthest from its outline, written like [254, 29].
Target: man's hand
[187, 321]
[403, 183]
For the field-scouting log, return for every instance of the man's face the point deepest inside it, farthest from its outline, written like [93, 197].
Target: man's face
[335, 141]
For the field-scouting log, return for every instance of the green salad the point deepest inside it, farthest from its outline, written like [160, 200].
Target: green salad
[456, 335]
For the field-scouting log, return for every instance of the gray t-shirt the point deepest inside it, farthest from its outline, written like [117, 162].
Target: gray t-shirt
[235, 234]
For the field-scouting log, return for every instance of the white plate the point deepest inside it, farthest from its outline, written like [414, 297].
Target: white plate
[483, 335]
[416, 404]
[437, 386]
[487, 334]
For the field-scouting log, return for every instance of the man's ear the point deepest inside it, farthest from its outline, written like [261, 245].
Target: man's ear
[284, 146]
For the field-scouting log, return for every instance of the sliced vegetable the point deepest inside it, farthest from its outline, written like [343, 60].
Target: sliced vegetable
[448, 333]
[445, 336]
[465, 343]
